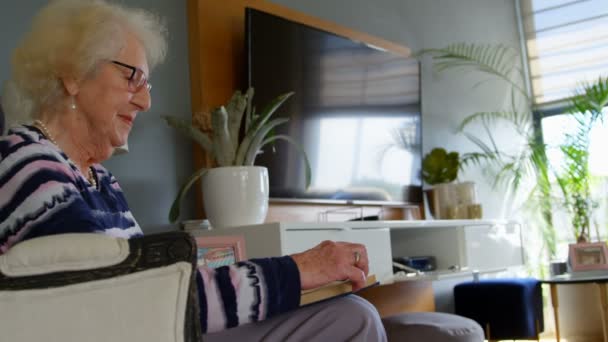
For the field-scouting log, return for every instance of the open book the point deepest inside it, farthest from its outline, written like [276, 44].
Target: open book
[331, 290]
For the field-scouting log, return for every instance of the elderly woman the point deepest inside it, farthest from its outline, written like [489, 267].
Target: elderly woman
[79, 80]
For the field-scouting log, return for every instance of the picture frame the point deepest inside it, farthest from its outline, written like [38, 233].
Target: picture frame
[217, 251]
[588, 256]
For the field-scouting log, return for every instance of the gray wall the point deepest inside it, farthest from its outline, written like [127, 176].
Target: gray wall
[447, 98]
[159, 160]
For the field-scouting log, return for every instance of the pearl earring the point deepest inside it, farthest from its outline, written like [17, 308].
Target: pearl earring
[73, 105]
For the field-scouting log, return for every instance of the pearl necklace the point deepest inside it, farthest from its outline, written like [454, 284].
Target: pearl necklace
[45, 131]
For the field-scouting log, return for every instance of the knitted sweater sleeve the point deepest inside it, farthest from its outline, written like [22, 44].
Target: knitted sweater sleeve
[247, 292]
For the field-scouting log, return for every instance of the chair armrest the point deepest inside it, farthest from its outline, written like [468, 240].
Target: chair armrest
[151, 251]
[63, 252]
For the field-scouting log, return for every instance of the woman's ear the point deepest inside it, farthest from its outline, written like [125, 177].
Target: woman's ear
[71, 85]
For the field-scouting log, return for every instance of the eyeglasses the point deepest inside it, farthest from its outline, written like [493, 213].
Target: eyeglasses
[138, 78]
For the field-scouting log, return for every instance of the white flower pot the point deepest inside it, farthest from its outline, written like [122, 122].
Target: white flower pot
[235, 195]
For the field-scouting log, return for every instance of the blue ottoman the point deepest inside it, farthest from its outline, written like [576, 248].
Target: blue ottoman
[505, 308]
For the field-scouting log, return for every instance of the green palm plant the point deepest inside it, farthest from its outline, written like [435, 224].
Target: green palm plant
[530, 161]
[574, 177]
[226, 144]
[510, 169]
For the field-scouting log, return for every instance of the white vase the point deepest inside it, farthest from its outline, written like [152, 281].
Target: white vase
[235, 195]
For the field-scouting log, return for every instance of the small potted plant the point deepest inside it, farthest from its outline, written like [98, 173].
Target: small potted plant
[447, 199]
[236, 192]
[439, 166]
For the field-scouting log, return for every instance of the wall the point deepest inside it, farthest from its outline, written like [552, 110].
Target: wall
[450, 97]
[159, 160]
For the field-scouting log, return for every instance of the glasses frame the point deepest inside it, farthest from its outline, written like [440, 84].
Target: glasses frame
[132, 86]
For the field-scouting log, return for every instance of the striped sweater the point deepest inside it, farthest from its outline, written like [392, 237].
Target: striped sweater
[42, 192]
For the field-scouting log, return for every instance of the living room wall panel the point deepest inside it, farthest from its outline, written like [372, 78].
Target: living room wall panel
[216, 41]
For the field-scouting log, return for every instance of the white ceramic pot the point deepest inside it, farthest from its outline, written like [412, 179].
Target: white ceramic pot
[235, 195]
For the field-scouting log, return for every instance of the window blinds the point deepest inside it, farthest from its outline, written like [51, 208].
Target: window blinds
[567, 45]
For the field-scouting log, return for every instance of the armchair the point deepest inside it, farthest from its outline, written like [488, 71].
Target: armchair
[92, 287]
[1, 118]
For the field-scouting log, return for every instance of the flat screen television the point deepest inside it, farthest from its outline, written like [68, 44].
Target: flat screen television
[356, 112]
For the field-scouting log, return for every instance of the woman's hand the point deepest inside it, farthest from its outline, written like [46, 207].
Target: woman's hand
[330, 261]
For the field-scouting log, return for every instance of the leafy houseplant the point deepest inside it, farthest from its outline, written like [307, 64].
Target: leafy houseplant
[439, 166]
[574, 177]
[440, 169]
[226, 144]
[529, 162]
[498, 62]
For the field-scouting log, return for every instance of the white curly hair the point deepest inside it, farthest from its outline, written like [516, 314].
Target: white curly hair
[69, 38]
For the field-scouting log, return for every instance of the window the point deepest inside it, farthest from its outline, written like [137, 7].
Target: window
[567, 43]
[554, 130]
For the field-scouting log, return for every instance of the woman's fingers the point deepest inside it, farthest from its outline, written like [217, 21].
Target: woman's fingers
[357, 277]
[357, 254]
[362, 262]
[330, 261]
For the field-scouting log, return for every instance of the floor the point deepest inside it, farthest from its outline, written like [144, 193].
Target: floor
[542, 339]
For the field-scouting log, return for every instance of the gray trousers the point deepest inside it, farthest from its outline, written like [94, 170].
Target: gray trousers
[349, 318]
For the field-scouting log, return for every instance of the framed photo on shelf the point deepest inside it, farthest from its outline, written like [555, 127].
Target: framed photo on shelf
[216, 251]
[588, 256]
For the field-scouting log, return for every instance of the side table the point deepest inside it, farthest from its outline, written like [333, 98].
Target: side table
[600, 278]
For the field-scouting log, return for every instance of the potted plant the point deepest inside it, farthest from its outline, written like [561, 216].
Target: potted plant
[574, 178]
[236, 192]
[439, 166]
[446, 199]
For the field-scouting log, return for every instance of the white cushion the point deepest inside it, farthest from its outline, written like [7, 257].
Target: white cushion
[146, 306]
[63, 252]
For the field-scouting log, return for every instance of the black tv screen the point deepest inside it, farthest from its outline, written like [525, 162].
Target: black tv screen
[355, 111]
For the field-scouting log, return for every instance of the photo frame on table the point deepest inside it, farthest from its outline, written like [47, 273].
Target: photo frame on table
[216, 251]
[588, 256]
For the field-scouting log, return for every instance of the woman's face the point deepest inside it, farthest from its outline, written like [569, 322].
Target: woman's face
[108, 104]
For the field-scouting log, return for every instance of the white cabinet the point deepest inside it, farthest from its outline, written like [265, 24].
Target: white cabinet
[493, 246]
[283, 238]
[488, 246]
[483, 245]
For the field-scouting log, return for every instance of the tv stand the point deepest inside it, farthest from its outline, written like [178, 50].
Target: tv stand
[459, 246]
[292, 211]
[367, 218]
